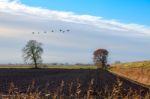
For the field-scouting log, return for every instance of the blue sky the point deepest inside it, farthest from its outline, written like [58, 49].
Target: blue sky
[120, 26]
[135, 11]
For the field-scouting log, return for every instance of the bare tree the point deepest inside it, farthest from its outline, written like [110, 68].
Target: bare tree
[32, 52]
[100, 58]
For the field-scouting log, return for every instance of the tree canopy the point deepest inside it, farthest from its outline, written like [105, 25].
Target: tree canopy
[100, 58]
[32, 52]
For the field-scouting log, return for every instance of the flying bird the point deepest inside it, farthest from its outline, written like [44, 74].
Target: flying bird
[68, 30]
[63, 31]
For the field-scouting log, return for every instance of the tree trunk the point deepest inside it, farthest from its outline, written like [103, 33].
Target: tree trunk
[34, 59]
[35, 63]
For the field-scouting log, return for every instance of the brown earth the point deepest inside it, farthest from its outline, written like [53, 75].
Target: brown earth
[51, 79]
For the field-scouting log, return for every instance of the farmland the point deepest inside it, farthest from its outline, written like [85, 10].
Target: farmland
[49, 66]
[64, 49]
[77, 83]
[137, 71]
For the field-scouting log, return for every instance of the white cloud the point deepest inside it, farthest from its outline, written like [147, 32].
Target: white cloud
[16, 7]
[18, 21]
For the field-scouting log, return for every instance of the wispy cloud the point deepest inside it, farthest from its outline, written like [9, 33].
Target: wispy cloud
[18, 21]
[17, 7]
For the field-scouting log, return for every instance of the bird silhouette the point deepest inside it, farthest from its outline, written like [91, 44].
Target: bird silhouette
[68, 30]
[63, 31]
[60, 30]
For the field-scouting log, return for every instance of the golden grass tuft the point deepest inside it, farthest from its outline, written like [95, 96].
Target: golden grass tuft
[60, 93]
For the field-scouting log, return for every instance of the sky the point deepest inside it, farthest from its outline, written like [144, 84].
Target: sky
[120, 26]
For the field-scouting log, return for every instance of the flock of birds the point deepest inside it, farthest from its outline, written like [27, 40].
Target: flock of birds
[61, 31]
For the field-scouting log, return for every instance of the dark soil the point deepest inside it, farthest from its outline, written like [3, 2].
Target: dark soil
[51, 80]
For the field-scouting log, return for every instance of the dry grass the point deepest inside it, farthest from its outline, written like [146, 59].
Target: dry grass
[67, 84]
[137, 71]
[73, 91]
